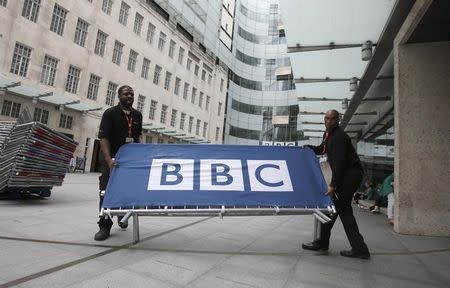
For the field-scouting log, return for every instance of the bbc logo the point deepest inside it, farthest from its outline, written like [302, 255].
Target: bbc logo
[219, 175]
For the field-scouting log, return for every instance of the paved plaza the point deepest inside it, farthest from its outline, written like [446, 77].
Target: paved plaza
[49, 243]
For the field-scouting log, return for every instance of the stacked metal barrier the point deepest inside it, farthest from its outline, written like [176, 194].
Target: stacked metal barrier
[33, 157]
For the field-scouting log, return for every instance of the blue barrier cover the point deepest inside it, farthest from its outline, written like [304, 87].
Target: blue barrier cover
[179, 175]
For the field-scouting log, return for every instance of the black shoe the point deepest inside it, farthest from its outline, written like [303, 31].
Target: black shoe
[355, 254]
[105, 228]
[314, 246]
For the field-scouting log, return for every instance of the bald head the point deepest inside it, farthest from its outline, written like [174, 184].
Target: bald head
[331, 119]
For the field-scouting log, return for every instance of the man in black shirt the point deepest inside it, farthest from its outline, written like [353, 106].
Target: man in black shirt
[120, 124]
[347, 174]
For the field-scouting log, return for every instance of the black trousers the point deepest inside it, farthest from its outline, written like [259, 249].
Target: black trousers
[103, 222]
[343, 204]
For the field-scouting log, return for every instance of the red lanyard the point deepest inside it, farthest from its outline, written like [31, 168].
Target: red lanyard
[130, 123]
[325, 143]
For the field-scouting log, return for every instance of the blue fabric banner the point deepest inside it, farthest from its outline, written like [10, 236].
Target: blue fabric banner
[179, 175]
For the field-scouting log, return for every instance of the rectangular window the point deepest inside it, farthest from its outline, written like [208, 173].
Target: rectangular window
[209, 79]
[100, 43]
[138, 24]
[188, 64]
[167, 82]
[3, 3]
[176, 90]
[182, 120]
[141, 103]
[219, 110]
[150, 33]
[196, 69]
[65, 121]
[110, 93]
[58, 20]
[197, 127]
[203, 75]
[117, 52]
[20, 60]
[162, 119]
[11, 109]
[107, 6]
[217, 133]
[132, 61]
[172, 48]
[191, 122]
[162, 41]
[205, 129]
[30, 9]
[94, 83]
[156, 75]
[186, 90]
[208, 100]
[194, 95]
[180, 55]
[173, 118]
[73, 78]
[200, 100]
[221, 85]
[148, 139]
[123, 14]
[145, 68]
[41, 115]
[81, 32]
[152, 111]
[49, 70]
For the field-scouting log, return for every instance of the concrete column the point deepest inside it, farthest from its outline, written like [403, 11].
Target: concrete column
[422, 138]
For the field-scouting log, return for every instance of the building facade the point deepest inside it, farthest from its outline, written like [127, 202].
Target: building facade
[64, 60]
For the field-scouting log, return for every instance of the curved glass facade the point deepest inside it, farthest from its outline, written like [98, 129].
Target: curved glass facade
[261, 88]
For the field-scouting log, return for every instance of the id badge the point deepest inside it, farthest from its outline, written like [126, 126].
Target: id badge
[129, 140]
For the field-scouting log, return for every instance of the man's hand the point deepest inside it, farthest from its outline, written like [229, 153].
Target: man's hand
[331, 191]
[111, 163]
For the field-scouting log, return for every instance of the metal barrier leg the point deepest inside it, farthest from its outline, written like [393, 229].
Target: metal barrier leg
[135, 228]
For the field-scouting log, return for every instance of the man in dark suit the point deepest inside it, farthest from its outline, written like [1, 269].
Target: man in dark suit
[347, 174]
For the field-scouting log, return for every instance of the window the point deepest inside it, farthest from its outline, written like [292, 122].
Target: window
[100, 43]
[73, 78]
[81, 32]
[167, 82]
[3, 3]
[20, 60]
[208, 100]
[123, 14]
[196, 69]
[162, 41]
[65, 121]
[148, 139]
[41, 115]
[94, 82]
[138, 24]
[117, 52]
[152, 111]
[221, 85]
[219, 110]
[160, 140]
[180, 55]
[205, 129]
[145, 68]
[110, 93]
[176, 91]
[30, 9]
[191, 121]
[11, 109]
[162, 119]
[49, 70]
[58, 20]
[132, 61]
[188, 64]
[173, 118]
[156, 75]
[141, 103]
[217, 133]
[203, 75]
[106, 6]
[182, 120]
[150, 33]
[200, 100]
[186, 90]
[194, 95]
[209, 79]
[197, 127]
[172, 48]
